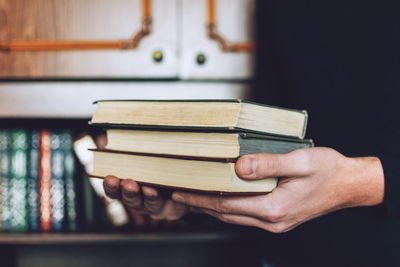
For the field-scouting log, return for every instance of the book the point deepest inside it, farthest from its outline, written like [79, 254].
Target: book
[199, 144]
[178, 172]
[209, 115]
[45, 181]
[19, 181]
[70, 187]
[5, 140]
[33, 181]
[57, 181]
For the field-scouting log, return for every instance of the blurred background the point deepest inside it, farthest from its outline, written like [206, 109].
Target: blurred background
[56, 59]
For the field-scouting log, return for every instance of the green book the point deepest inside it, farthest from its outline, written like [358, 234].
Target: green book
[19, 181]
[5, 140]
[202, 115]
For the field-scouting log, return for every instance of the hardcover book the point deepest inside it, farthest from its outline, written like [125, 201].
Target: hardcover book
[45, 181]
[217, 115]
[57, 182]
[200, 144]
[33, 181]
[19, 181]
[69, 175]
[198, 174]
[5, 139]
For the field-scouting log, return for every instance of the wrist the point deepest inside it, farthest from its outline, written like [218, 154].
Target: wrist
[365, 179]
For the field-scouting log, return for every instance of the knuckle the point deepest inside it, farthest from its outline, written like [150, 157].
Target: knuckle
[277, 228]
[153, 206]
[224, 218]
[266, 166]
[303, 161]
[221, 205]
[274, 213]
[133, 202]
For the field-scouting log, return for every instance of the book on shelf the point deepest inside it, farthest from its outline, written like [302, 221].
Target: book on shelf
[45, 181]
[19, 181]
[216, 115]
[5, 140]
[57, 181]
[193, 145]
[70, 186]
[33, 181]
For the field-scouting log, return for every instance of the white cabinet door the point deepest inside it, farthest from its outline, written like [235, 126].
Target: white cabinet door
[234, 21]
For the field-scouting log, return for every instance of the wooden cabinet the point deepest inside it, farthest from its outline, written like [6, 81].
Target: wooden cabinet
[88, 20]
[178, 45]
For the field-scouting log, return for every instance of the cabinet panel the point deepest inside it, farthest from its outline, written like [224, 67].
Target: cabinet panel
[88, 20]
[234, 21]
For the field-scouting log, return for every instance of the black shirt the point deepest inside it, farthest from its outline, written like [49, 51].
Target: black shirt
[339, 60]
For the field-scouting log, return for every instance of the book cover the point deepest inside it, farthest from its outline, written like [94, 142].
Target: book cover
[19, 181]
[201, 115]
[33, 181]
[45, 181]
[70, 187]
[57, 182]
[5, 140]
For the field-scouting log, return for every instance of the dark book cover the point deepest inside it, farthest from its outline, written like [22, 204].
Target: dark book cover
[69, 175]
[33, 181]
[57, 182]
[5, 139]
[19, 181]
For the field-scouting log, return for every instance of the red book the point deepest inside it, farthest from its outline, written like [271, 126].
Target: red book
[45, 181]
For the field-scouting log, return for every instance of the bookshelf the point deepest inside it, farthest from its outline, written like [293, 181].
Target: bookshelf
[56, 90]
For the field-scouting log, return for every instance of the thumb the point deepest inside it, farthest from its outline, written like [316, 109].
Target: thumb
[265, 165]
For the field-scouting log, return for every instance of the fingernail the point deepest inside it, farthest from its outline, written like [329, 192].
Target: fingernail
[178, 198]
[248, 165]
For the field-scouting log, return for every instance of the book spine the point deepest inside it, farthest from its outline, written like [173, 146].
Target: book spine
[5, 139]
[57, 182]
[33, 185]
[19, 181]
[45, 181]
[70, 188]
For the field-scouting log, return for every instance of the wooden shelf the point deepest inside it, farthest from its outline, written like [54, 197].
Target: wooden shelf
[74, 99]
[109, 238]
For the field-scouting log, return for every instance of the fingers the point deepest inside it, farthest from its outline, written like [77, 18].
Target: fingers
[246, 221]
[111, 186]
[264, 165]
[171, 211]
[101, 141]
[130, 191]
[153, 201]
[249, 206]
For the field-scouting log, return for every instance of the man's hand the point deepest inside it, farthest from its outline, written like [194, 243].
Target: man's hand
[312, 182]
[143, 200]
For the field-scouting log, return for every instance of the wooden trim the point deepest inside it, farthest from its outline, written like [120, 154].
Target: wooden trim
[64, 45]
[213, 33]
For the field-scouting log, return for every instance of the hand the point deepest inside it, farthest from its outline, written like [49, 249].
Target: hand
[143, 200]
[312, 182]
[144, 204]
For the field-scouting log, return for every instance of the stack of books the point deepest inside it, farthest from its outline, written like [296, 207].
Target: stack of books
[37, 189]
[193, 145]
